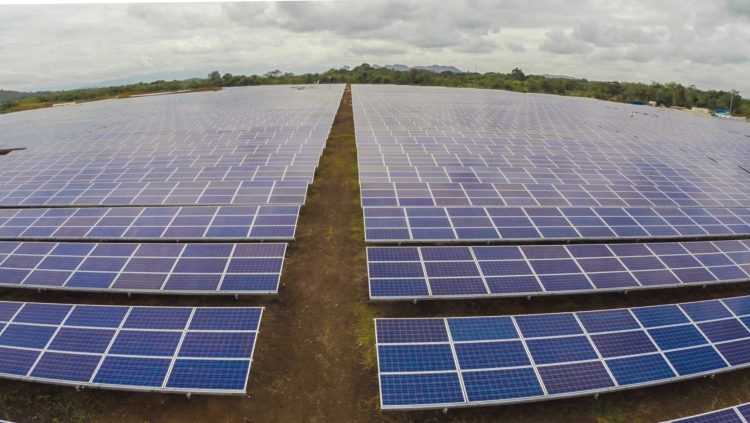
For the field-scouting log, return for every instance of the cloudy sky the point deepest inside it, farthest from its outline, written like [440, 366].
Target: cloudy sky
[700, 42]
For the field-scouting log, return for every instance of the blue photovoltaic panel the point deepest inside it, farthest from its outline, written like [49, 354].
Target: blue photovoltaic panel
[154, 193]
[153, 268]
[514, 224]
[510, 359]
[224, 223]
[429, 194]
[434, 167]
[165, 349]
[507, 271]
[737, 414]
[256, 145]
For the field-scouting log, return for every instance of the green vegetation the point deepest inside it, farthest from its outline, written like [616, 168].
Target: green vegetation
[666, 94]
[45, 407]
[18, 95]
[365, 330]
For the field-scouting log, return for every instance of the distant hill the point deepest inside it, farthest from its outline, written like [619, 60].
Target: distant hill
[433, 68]
[399, 68]
[439, 69]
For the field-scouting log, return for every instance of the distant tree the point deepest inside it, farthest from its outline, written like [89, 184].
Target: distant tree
[675, 90]
[517, 74]
[290, 74]
[272, 74]
[227, 76]
[214, 75]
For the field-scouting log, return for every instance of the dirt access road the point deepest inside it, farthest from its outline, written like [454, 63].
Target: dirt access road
[314, 360]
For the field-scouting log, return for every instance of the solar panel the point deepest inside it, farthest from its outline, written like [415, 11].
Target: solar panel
[78, 173]
[408, 273]
[470, 361]
[155, 349]
[204, 268]
[154, 193]
[625, 194]
[514, 224]
[228, 223]
[737, 414]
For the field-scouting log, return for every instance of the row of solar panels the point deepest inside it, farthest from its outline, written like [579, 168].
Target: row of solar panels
[408, 273]
[143, 268]
[77, 174]
[515, 224]
[157, 349]
[738, 414]
[380, 194]
[239, 223]
[155, 193]
[458, 362]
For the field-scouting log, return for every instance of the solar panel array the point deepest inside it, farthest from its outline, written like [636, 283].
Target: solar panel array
[446, 164]
[458, 362]
[738, 414]
[154, 193]
[239, 223]
[514, 224]
[507, 271]
[151, 174]
[147, 268]
[160, 349]
[240, 146]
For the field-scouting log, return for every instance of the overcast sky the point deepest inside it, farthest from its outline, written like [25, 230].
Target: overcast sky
[700, 42]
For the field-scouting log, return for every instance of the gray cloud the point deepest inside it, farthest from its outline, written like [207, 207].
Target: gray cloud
[515, 48]
[741, 7]
[561, 42]
[691, 41]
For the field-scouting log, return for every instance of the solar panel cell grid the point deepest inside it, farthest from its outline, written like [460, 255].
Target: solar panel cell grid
[402, 224]
[155, 193]
[531, 357]
[130, 348]
[458, 272]
[177, 223]
[154, 268]
[444, 148]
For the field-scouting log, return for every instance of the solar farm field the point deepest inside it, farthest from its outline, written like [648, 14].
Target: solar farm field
[372, 254]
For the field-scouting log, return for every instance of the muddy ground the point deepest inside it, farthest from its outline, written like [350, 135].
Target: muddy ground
[314, 357]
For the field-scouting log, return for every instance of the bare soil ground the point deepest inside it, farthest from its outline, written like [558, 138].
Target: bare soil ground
[314, 359]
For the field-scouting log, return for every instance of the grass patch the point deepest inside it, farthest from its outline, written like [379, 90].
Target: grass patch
[22, 107]
[365, 331]
[52, 409]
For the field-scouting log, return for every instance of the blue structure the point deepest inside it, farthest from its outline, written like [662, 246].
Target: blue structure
[155, 349]
[470, 361]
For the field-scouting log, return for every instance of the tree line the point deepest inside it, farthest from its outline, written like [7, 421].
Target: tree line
[664, 94]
